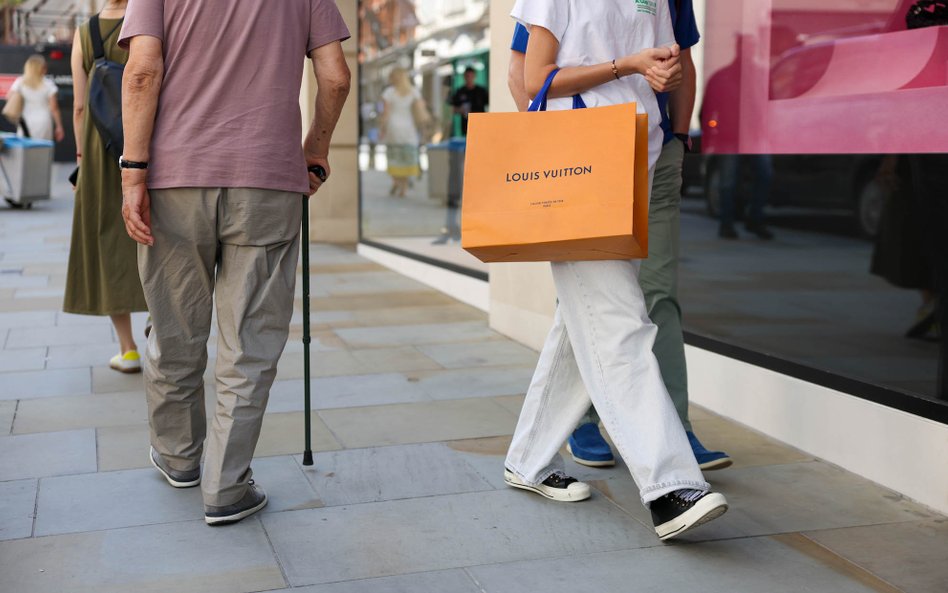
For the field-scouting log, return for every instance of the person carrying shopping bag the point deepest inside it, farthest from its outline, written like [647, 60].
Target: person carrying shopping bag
[601, 340]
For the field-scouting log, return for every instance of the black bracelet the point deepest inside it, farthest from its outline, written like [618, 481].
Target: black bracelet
[126, 164]
[615, 70]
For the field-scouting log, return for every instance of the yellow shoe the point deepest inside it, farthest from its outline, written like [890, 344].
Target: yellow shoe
[130, 362]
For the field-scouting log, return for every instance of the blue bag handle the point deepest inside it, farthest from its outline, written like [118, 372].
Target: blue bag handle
[539, 102]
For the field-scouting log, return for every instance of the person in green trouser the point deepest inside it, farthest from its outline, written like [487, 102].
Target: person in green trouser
[659, 274]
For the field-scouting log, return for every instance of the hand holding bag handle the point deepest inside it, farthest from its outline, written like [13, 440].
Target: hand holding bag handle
[539, 102]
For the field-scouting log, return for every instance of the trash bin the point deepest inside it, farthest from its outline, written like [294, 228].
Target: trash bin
[26, 165]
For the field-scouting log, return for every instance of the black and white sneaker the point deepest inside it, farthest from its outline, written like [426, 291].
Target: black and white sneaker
[254, 500]
[175, 478]
[558, 486]
[681, 510]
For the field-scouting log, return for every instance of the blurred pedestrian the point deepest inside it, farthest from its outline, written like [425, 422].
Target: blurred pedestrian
[102, 276]
[213, 178]
[40, 117]
[470, 98]
[401, 101]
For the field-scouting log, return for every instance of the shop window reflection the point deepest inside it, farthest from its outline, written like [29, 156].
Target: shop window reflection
[424, 68]
[812, 127]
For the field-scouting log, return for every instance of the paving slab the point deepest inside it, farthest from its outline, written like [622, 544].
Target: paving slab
[418, 315]
[356, 362]
[346, 392]
[748, 448]
[441, 532]
[187, 557]
[748, 565]
[47, 383]
[47, 454]
[7, 414]
[785, 498]
[391, 473]
[58, 336]
[129, 498]
[26, 359]
[476, 382]
[31, 319]
[82, 355]
[38, 304]
[282, 434]
[366, 283]
[432, 333]
[440, 581]
[379, 300]
[52, 414]
[16, 512]
[20, 281]
[401, 424]
[123, 447]
[911, 556]
[71, 319]
[456, 356]
[106, 380]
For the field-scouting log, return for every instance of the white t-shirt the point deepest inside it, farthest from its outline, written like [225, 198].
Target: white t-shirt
[591, 32]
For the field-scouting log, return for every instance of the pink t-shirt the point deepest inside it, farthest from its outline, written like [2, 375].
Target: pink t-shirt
[229, 112]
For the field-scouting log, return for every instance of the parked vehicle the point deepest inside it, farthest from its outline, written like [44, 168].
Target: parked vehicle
[837, 183]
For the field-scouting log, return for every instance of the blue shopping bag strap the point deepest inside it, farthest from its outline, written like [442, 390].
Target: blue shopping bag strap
[539, 102]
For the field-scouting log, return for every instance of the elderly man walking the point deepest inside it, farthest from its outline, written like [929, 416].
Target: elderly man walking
[212, 178]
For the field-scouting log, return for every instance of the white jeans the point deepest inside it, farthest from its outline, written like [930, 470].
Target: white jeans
[600, 349]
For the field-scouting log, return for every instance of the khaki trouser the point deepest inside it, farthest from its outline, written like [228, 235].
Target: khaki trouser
[242, 244]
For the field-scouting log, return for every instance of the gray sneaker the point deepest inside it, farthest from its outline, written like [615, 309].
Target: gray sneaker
[254, 500]
[175, 478]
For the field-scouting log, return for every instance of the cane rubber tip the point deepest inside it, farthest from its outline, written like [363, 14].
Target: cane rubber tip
[307, 458]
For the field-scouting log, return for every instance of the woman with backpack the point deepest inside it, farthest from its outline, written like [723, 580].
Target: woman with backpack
[102, 277]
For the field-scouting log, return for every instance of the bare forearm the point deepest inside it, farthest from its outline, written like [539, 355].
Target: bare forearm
[681, 103]
[141, 86]
[57, 116]
[140, 89]
[515, 81]
[77, 115]
[332, 80]
[573, 80]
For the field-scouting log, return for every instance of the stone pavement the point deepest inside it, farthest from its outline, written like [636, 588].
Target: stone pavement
[415, 400]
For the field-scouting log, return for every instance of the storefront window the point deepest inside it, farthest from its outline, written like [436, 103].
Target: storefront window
[814, 221]
[423, 69]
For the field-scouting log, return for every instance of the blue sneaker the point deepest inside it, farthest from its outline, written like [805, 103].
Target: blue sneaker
[587, 447]
[708, 460]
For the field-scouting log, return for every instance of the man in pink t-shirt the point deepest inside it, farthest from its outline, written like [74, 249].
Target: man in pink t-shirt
[212, 178]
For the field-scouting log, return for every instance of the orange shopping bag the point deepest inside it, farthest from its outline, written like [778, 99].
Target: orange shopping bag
[556, 185]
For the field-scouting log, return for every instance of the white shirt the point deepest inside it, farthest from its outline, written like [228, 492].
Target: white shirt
[591, 32]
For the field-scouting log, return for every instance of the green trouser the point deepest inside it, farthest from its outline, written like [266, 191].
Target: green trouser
[659, 279]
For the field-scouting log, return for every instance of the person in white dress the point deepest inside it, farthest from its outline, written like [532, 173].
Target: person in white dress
[402, 104]
[40, 107]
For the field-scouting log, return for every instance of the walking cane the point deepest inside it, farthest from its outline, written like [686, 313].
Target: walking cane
[307, 428]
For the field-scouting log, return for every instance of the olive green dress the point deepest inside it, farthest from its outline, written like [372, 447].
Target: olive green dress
[102, 277]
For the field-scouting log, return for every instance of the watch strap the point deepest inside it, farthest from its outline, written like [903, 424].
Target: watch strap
[127, 164]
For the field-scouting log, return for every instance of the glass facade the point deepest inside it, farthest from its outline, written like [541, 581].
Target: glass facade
[814, 207]
[424, 68]
[813, 222]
